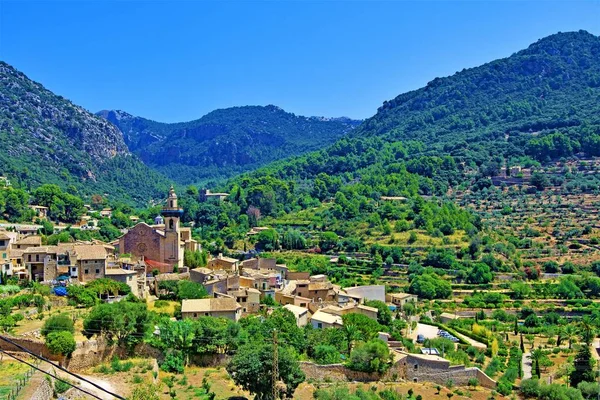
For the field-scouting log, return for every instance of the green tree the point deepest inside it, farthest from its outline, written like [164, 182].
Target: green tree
[267, 240]
[584, 367]
[252, 366]
[480, 273]
[57, 323]
[123, 322]
[372, 356]
[191, 290]
[384, 314]
[61, 343]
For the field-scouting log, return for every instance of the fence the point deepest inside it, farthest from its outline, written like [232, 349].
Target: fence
[20, 382]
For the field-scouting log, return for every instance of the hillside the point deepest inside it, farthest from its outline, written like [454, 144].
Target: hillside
[539, 104]
[390, 187]
[227, 141]
[45, 138]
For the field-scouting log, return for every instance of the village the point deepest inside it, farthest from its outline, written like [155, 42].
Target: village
[148, 257]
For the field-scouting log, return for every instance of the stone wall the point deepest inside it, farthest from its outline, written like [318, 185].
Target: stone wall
[93, 352]
[335, 373]
[44, 391]
[434, 371]
[35, 346]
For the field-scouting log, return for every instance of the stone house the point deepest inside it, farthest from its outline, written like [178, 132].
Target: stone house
[432, 368]
[323, 320]
[225, 263]
[370, 292]
[41, 211]
[222, 307]
[285, 299]
[27, 242]
[200, 275]
[300, 313]
[91, 262]
[265, 265]
[248, 298]
[400, 299]
[370, 312]
[129, 277]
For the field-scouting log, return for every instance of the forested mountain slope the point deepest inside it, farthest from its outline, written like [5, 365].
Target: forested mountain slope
[539, 104]
[226, 141]
[45, 138]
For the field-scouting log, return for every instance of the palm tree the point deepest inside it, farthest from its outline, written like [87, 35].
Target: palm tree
[569, 333]
[352, 334]
[536, 356]
[587, 331]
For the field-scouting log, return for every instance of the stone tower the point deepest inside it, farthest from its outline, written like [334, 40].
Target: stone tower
[172, 215]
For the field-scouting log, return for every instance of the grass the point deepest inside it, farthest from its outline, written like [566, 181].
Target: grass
[10, 372]
[162, 306]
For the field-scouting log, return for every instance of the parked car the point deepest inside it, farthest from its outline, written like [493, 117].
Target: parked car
[420, 338]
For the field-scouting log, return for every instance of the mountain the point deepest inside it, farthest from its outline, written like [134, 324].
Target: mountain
[44, 138]
[227, 141]
[539, 104]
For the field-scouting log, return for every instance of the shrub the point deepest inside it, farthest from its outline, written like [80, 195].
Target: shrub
[61, 343]
[530, 388]
[60, 387]
[56, 323]
[373, 356]
[173, 362]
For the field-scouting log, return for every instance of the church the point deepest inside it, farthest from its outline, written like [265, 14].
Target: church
[161, 246]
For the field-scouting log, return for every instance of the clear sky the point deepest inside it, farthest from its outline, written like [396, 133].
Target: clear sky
[176, 61]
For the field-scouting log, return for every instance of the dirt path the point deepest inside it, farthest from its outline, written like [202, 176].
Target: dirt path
[100, 382]
[526, 366]
[472, 342]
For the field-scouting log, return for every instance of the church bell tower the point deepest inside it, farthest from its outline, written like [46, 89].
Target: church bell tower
[172, 215]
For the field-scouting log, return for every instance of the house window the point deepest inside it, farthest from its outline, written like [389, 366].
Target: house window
[415, 380]
[3, 255]
[244, 310]
[206, 314]
[37, 257]
[319, 325]
[195, 315]
[97, 270]
[302, 304]
[29, 257]
[87, 271]
[416, 367]
[74, 269]
[6, 267]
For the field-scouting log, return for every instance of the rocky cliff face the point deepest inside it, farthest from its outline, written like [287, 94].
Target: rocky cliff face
[45, 138]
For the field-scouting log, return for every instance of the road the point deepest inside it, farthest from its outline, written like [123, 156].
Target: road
[472, 342]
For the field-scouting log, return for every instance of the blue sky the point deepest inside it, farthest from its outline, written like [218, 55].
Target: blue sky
[176, 61]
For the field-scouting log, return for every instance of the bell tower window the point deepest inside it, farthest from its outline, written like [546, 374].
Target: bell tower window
[170, 224]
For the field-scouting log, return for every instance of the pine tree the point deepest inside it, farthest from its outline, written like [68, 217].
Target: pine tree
[522, 344]
[584, 367]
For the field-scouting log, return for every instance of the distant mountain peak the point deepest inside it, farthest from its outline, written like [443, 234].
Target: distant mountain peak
[226, 141]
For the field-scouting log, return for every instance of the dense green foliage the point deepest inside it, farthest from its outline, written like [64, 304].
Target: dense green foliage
[122, 322]
[58, 323]
[61, 342]
[225, 142]
[44, 138]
